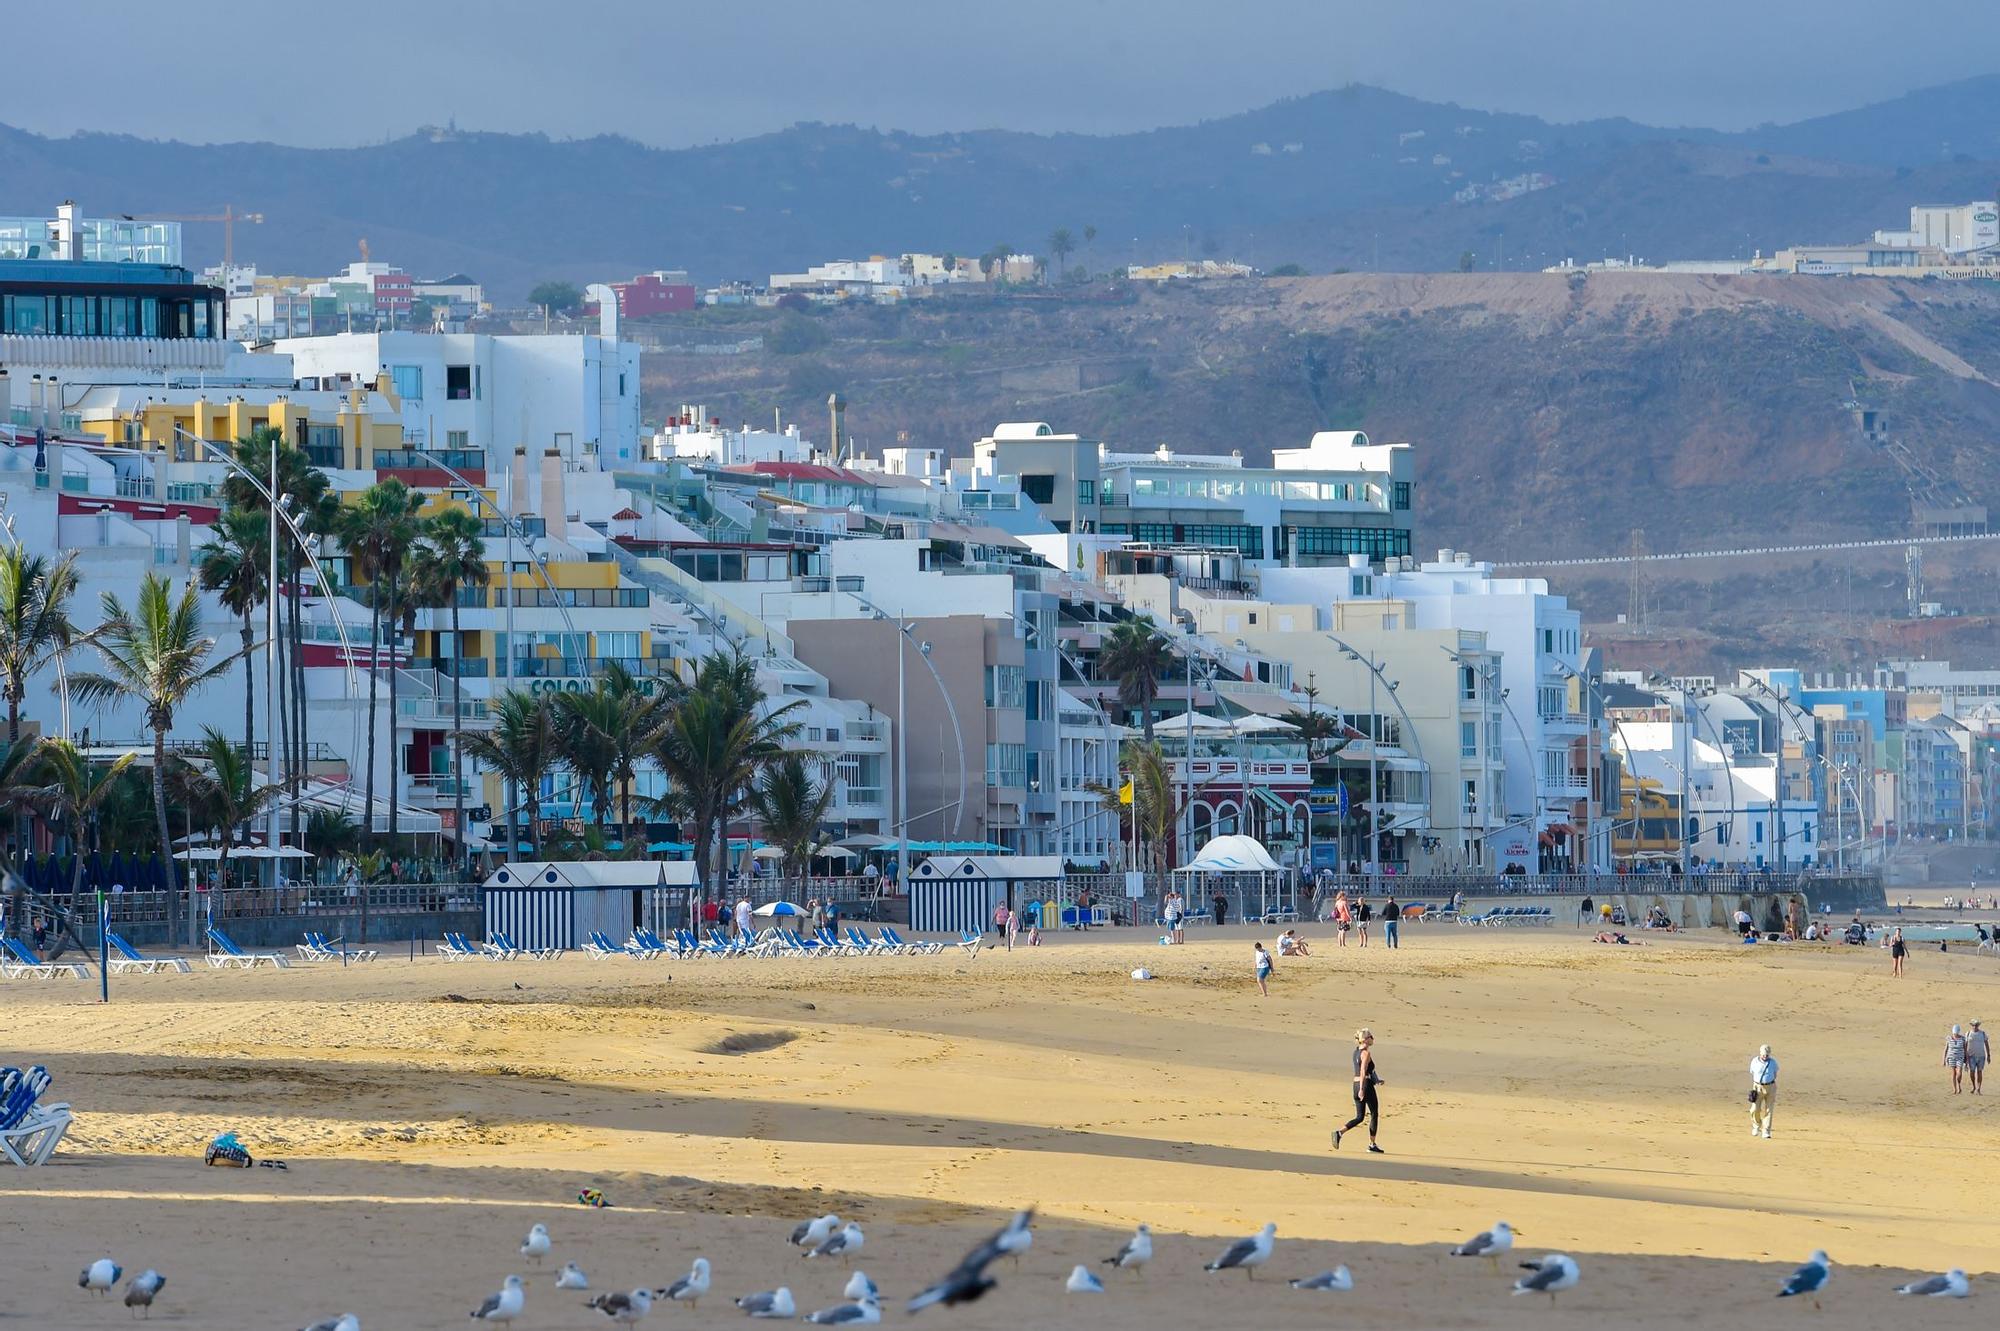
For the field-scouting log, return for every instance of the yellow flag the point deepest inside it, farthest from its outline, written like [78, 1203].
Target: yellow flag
[1125, 793]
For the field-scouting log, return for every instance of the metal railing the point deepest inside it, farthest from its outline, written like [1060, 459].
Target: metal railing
[299, 899]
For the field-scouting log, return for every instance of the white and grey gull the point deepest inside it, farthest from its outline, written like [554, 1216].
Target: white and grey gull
[572, 1277]
[1248, 1254]
[505, 1304]
[690, 1287]
[843, 1244]
[344, 1322]
[1334, 1281]
[968, 1281]
[812, 1233]
[769, 1303]
[622, 1309]
[1082, 1280]
[1552, 1275]
[99, 1276]
[142, 1289]
[1810, 1278]
[1138, 1250]
[1951, 1285]
[862, 1312]
[536, 1245]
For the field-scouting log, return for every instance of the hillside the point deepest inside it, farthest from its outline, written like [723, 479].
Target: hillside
[1555, 415]
[1357, 177]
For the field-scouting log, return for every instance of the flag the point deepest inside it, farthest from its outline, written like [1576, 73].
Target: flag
[1125, 792]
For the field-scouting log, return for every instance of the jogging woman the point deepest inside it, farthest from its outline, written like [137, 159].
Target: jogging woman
[1366, 1079]
[1897, 950]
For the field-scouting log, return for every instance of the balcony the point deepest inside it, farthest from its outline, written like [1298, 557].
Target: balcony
[429, 789]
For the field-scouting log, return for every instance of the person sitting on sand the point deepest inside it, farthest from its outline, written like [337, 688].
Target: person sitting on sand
[1291, 945]
[1609, 937]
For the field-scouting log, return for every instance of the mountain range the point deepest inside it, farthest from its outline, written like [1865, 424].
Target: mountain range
[1357, 177]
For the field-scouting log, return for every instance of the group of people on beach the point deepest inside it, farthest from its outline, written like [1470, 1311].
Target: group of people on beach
[1965, 1056]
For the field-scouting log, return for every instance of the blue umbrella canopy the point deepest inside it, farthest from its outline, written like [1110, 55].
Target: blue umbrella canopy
[777, 908]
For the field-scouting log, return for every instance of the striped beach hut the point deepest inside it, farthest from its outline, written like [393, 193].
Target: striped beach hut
[952, 893]
[558, 903]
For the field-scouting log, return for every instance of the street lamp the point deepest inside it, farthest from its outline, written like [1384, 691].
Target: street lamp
[1777, 696]
[1375, 740]
[903, 736]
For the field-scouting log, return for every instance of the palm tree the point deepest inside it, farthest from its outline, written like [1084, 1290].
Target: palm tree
[226, 797]
[1136, 654]
[644, 714]
[330, 832]
[35, 628]
[790, 798]
[73, 790]
[520, 747]
[455, 559]
[17, 787]
[587, 726]
[237, 568]
[714, 742]
[378, 531]
[1062, 245]
[156, 655]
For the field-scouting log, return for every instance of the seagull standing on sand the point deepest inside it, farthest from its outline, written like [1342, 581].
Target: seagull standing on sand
[503, 1307]
[842, 1245]
[1082, 1281]
[968, 1280]
[572, 1277]
[1811, 1278]
[812, 1233]
[690, 1287]
[344, 1322]
[1138, 1250]
[1248, 1254]
[1951, 1285]
[1552, 1274]
[1017, 1238]
[867, 1312]
[1337, 1280]
[1489, 1244]
[141, 1290]
[771, 1303]
[536, 1245]
[99, 1276]
[860, 1287]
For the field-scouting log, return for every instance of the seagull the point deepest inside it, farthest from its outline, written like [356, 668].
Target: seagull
[536, 1245]
[1081, 1281]
[812, 1233]
[690, 1287]
[1489, 1244]
[771, 1303]
[99, 1276]
[1338, 1279]
[572, 1277]
[504, 1306]
[860, 1287]
[865, 1312]
[1951, 1285]
[1017, 1238]
[1138, 1250]
[624, 1309]
[968, 1280]
[1810, 1278]
[842, 1245]
[141, 1289]
[1554, 1272]
[1248, 1254]
[344, 1322]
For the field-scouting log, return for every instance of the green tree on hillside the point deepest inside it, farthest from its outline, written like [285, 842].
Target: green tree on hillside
[1061, 246]
[557, 297]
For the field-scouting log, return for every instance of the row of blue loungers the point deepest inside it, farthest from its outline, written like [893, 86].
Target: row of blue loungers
[645, 944]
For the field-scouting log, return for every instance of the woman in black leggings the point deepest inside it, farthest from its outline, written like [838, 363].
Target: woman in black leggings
[1366, 1106]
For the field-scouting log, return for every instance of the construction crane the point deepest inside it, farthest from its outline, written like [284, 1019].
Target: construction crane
[229, 217]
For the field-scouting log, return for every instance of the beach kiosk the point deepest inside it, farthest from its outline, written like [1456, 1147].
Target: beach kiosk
[953, 893]
[1242, 870]
[558, 903]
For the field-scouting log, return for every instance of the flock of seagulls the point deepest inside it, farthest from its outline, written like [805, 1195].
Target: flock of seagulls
[828, 1236]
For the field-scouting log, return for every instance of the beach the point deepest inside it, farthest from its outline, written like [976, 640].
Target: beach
[1591, 1095]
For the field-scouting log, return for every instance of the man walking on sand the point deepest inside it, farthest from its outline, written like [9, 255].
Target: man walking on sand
[1392, 915]
[1763, 1092]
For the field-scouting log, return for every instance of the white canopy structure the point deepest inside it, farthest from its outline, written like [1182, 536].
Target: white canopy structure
[1228, 864]
[1232, 854]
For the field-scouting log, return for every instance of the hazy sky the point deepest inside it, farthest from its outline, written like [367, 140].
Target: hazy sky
[671, 72]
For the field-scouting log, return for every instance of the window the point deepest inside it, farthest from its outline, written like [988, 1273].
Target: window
[1006, 765]
[1086, 492]
[458, 441]
[1468, 683]
[408, 382]
[1402, 493]
[1549, 700]
[477, 376]
[1005, 686]
[1468, 739]
[1375, 542]
[458, 383]
[622, 646]
[1471, 805]
[1039, 487]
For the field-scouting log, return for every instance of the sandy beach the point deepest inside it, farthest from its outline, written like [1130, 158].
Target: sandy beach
[1593, 1096]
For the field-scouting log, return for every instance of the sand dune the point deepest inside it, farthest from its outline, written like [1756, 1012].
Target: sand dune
[1590, 1095]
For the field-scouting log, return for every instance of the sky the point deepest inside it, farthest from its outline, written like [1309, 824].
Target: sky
[673, 73]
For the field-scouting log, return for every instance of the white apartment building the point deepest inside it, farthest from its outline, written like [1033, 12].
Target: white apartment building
[482, 394]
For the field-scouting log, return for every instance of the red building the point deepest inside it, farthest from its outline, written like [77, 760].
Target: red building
[651, 293]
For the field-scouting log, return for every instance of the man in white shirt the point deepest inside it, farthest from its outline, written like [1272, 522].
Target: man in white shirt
[1763, 1091]
[743, 917]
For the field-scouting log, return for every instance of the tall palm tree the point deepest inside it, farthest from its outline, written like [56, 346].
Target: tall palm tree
[156, 655]
[520, 747]
[17, 787]
[1061, 245]
[644, 714]
[225, 796]
[35, 628]
[790, 798]
[237, 568]
[72, 790]
[587, 726]
[715, 741]
[455, 559]
[1136, 654]
[378, 531]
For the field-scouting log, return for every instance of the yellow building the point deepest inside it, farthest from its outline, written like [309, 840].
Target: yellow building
[1648, 824]
[335, 429]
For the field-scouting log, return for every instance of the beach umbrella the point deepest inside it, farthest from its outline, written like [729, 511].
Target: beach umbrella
[768, 853]
[835, 853]
[777, 908]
